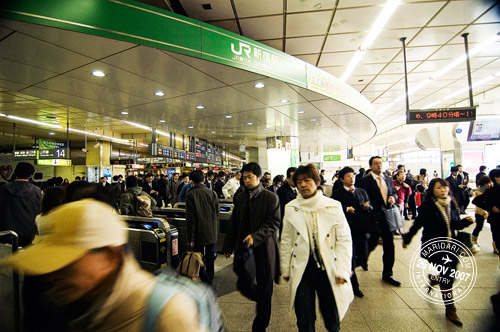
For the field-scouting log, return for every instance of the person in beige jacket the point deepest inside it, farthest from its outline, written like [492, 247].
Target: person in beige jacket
[316, 252]
[81, 276]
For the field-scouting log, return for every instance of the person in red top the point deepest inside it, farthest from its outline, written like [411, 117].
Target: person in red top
[403, 190]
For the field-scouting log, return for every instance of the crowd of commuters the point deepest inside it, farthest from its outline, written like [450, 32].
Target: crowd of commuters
[287, 227]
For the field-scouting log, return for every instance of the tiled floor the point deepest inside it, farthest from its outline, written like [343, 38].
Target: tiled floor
[384, 307]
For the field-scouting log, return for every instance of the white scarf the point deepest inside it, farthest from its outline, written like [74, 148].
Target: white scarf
[311, 207]
[444, 206]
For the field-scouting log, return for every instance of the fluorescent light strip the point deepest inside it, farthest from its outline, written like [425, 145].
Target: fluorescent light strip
[119, 140]
[162, 133]
[456, 93]
[447, 68]
[1, 114]
[372, 35]
[138, 125]
[83, 132]
[34, 122]
[142, 144]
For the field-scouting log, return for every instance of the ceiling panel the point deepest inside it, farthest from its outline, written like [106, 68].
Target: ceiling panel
[460, 12]
[345, 41]
[355, 20]
[221, 9]
[379, 56]
[21, 74]
[436, 36]
[229, 25]
[309, 58]
[246, 8]
[271, 94]
[304, 45]
[258, 28]
[307, 24]
[305, 6]
[413, 14]
[335, 59]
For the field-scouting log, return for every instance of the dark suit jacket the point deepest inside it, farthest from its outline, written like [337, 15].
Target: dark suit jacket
[285, 195]
[357, 220]
[455, 190]
[218, 188]
[260, 217]
[369, 184]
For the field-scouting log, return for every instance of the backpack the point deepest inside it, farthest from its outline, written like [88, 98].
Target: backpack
[168, 285]
[190, 265]
[143, 206]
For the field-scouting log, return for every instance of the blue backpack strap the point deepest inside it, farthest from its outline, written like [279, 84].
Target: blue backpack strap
[160, 296]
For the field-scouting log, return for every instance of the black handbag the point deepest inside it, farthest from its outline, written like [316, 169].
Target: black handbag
[393, 217]
[244, 263]
[465, 238]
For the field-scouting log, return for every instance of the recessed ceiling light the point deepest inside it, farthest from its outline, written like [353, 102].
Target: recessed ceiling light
[313, 119]
[190, 127]
[265, 128]
[250, 123]
[284, 101]
[130, 147]
[323, 126]
[230, 135]
[159, 93]
[259, 85]
[98, 73]
[200, 107]
[212, 132]
[51, 133]
[301, 112]
[161, 121]
[124, 112]
[229, 116]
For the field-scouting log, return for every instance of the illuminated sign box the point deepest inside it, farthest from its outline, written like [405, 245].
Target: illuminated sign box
[54, 162]
[25, 154]
[53, 154]
[455, 114]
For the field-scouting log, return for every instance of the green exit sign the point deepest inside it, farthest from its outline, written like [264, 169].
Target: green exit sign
[331, 157]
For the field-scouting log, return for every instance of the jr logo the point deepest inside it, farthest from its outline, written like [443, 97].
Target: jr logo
[243, 48]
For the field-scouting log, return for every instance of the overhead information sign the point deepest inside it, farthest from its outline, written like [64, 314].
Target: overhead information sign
[53, 154]
[54, 162]
[25, 154]
[456, 114]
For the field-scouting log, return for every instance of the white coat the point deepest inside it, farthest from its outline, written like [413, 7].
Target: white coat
[335, 245]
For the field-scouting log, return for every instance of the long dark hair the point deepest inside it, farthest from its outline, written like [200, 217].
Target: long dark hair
[429, 193]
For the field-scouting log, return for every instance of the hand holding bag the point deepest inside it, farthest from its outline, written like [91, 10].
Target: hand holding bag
[393, 217]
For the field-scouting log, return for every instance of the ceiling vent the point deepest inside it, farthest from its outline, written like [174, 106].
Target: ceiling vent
[207, 6]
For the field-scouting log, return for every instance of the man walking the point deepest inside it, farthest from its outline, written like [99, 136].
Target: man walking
[381, 192]
[254, 222]
[202, 217]
[20, 203]
[286, 193]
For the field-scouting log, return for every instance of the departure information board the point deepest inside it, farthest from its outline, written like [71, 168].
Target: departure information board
[53, 154]
[456, 114]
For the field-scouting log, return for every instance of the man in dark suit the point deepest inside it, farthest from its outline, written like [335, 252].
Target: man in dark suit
[381, 192]
[359, 176]
[151, 189]
[286, 192]
[208, 180]
[482, 172]
[464, 180]
[356, 206]
[219, 184]
[254, 223]
[455, 184]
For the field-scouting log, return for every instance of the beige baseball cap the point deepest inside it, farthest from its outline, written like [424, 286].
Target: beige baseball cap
[67, 233]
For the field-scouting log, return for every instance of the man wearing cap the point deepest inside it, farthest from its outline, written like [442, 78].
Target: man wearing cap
[20, 203]
[87, 278]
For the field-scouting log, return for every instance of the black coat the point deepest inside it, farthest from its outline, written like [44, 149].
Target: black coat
[487, 201]
[218, 188]
[455, 190]
[359, 220]
[260, 217]
[369, 184]
[202, 215]
[429, 217]
[285, 195]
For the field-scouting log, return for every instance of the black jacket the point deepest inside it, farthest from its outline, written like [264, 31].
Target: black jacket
[202, 215]
[285, 194]
[369, 184]
[361, 216]
[487, 201]
[479, 175]
[218, 188]
[455, 190]
[429, 217]
[19, 204]
[260, 217]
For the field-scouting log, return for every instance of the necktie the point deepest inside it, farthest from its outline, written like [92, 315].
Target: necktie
[351, 191]
[383, 190]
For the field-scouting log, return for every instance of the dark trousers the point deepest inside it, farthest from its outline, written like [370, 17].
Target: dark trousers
[260, 291]
[360, 247]
[388, 245]
[412, 206]
[479, 224]
[354, 277]
[209, 253]
[315, 282]
[495, 232]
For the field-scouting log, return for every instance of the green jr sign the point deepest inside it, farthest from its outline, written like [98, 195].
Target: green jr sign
[331, 157]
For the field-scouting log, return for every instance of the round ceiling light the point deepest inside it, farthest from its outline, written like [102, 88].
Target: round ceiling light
[200, 107]
[259, 85]
[98, 73]
[159, 93]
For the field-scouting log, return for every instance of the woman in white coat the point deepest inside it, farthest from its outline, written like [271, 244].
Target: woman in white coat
[316, 252]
